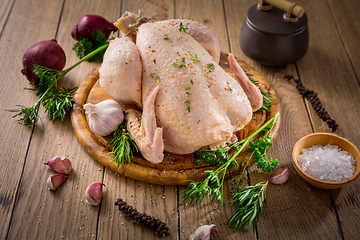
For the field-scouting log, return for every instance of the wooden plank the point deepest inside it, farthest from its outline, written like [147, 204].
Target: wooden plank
[348, 25]
[328, 69]
[5, 9]
[155, 200]
[293, 210]
[63, 214]
[31, 27]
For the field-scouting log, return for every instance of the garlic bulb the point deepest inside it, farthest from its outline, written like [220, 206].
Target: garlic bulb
[104, 117]
[202, 232]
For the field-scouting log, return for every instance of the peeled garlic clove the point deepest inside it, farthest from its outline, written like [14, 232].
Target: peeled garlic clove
[59, 164]
[55, 180]
[203, 232]
[94, 192]
[280, 175]
[104, 117]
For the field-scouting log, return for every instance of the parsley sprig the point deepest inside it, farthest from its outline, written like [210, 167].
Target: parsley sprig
[213, 184]
[123, 145]
[86, 46]
[57, 101]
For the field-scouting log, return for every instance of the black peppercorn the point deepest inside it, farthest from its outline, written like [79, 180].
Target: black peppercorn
[315, 102]
[159, 226]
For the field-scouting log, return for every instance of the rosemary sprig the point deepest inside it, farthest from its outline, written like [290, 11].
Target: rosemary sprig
[250, 202]
[213, 184]
[123, 145]
[28, 116]
[267, 99]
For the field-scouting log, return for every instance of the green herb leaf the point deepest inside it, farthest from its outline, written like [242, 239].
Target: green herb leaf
[157, 78]
[85, 46]
[194, 58]
[28, 116]
[151, 74]
[211, 67]
[58, 102]
[123, 145]
[182, 63]
[250, 202]
[213, 184]
[166, 37]
[182, 28]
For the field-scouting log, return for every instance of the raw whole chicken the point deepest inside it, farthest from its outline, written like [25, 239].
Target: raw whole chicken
[170, 69]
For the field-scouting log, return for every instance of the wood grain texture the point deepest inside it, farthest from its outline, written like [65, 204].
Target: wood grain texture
[14, 137]
[327, 64]
[346, 18]
[285, 207]
[62, 213]
[294, 210]
[5, 9]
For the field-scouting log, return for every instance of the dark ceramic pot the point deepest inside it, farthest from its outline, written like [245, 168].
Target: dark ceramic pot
[267, 38]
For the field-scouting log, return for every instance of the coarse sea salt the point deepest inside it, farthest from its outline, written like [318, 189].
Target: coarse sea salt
[327, 163]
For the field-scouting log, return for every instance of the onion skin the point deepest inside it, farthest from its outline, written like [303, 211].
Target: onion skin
[86, 26]
[46, 53]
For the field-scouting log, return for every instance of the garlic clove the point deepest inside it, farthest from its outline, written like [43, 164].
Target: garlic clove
[59, 164]
[104, 117]
[55, 180]
[280, 175]
[203, 232]
[94, 192]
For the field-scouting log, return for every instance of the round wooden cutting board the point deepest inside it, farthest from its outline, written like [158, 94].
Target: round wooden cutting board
[175, 168]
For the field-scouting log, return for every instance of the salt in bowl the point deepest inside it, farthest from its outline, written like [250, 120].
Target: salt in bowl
[324, 139]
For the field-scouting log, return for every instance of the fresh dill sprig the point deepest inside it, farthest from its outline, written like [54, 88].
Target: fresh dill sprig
[86, 46]
[250, 202]
[28, 116]
[123, 145]
[58, 102]
[213, 184]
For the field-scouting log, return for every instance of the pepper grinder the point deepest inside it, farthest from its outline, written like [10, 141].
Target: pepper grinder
[275, 33]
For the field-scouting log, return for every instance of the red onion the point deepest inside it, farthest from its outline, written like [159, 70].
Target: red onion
[88, 24]
[46, 53]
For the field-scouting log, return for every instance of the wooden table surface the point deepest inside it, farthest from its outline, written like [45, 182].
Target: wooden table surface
[294, 210]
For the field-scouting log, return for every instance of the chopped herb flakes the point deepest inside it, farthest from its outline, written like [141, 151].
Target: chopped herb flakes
[182, 63]
[211, 67]
[194, 58]
[182, 28]
[157, 78]
[231, 90]
[166, 37]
